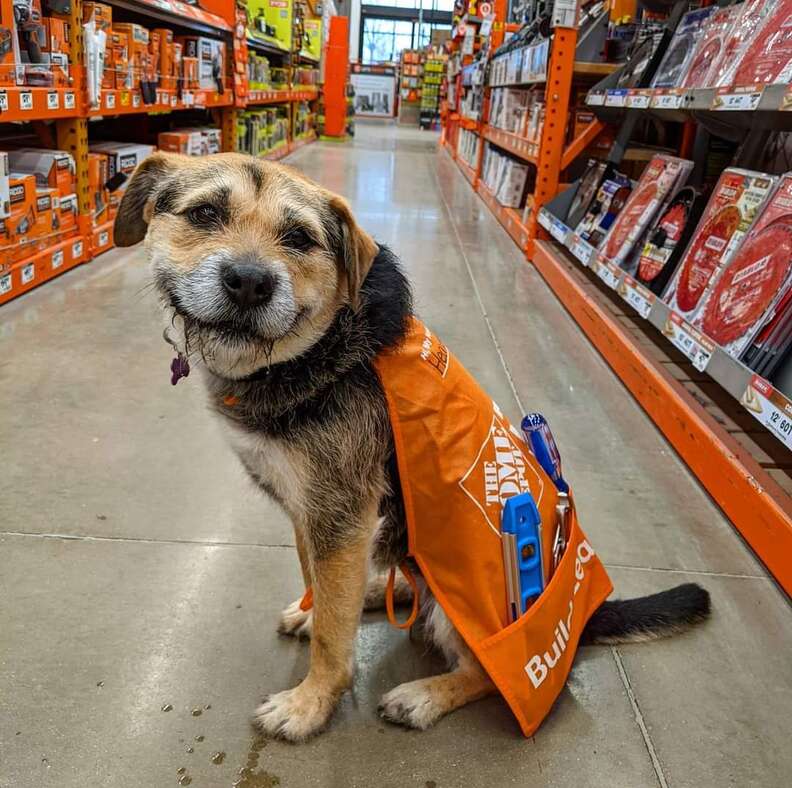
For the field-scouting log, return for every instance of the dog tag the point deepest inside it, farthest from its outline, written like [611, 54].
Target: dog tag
[180, 368]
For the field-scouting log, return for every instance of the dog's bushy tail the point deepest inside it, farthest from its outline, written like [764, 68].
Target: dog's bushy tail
[648, 617]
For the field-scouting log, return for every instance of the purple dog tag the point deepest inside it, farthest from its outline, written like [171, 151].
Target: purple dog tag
[180, 368]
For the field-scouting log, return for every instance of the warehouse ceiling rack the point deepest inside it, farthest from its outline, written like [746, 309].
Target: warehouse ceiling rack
[571, 61]
[61, 117]
[701, 398]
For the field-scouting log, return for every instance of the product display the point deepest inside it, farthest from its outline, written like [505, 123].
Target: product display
[730, 213]
[661, 176]
[191, 79]
[754, 279]
[655, 144]
[611, 198]
[667, 239]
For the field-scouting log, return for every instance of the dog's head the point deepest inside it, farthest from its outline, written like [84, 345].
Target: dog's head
[256, 258]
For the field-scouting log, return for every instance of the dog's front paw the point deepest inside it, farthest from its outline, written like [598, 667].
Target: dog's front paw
[295, 621]
[296, 714]
[412, 704]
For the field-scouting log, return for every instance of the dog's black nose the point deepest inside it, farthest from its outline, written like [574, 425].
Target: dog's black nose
[248, 285]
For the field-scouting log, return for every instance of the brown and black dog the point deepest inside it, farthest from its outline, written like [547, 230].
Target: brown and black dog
[285, 301]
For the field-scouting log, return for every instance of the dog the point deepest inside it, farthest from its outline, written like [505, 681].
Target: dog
[285, 301]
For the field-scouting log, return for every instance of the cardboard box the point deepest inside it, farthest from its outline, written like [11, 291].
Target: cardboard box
[190, 73]
[67, 211]
[186, 141]
[5, 197]
[57, 35]
[100, 14]
[53, 168]
[122, 156]
[211, 55]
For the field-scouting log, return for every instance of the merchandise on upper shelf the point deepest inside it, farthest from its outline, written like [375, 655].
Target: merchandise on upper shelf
[271, 21]
[662, 175]
[743, 295]
[731, 211]
[131, 57]
[193, 141]
[505, 177]
[263, 131]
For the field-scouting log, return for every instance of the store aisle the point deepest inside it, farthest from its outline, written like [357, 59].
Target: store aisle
[141, 576]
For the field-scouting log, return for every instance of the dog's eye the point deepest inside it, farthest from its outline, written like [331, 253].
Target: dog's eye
[297, 239]
[202, 215]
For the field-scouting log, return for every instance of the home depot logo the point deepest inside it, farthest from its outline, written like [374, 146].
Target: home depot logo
[435, 353]
[500, 471]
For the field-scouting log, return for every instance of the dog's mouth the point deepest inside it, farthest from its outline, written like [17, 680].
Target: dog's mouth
[235, 332]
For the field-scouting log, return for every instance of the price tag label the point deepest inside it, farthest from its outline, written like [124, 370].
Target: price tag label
[188, 98]
[3, 101]
[694, 345]
[136, 100]
[595, 98]
[69, 102]
[616, 98]
[57, 258]
[736, 99]
[544, 219]
[53, 100]
[667, 100]
[637, 296]
[5, 284]
[580, 249]
[638, 99]
[77, 250]
[26, 100]
[770, 407]
[607, 272]
[104, 238]
[174, 100]
[110, 101]
[558, 230]
[28, 273]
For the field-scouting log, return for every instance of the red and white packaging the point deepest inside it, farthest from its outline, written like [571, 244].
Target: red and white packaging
[767, 58]
[709, 47]
[731, 211]
[662, 175]
[752, 13]
[754, 280]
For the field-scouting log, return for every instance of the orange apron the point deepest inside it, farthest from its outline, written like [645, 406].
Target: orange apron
[459, 459]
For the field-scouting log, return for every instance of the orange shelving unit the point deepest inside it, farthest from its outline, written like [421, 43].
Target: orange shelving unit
[62, 115]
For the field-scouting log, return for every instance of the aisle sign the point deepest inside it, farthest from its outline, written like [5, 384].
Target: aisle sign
[695, 346]
[770, 407]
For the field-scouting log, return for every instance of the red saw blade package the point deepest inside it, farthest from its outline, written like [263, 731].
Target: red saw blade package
[709, 47]
[658, 181]
[751, 14]
[754, 279]
[733, 207]
[768, 57]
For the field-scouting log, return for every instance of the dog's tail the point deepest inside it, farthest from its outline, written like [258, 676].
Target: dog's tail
[648, 617]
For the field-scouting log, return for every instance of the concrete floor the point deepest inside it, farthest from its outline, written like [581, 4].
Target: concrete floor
[139, 571]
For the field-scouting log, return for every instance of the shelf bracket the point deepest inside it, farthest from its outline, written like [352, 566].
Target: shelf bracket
[581, 142]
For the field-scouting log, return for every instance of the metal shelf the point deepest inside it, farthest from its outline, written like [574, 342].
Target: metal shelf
[266, 46]
[176, 13]
[730, 373]
[513, 143]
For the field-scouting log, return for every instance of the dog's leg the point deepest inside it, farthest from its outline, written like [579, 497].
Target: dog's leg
[339, 586]
[294, 620]
[421, 703]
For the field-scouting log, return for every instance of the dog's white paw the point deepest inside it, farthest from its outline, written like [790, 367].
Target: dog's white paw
[296, 622]
[412, 704]
[296, 714]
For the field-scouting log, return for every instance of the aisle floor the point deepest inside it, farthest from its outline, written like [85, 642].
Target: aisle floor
[141, 576]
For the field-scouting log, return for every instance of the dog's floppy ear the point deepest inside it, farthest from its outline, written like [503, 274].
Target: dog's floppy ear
[134, 213]
[357, 248]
